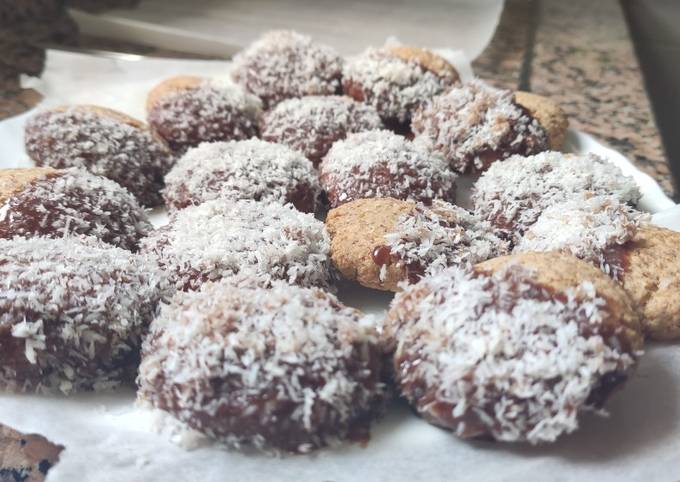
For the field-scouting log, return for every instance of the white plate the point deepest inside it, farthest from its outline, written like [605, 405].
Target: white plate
[108, 439]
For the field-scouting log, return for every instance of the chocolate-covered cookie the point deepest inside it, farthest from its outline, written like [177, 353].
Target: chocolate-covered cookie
[186, 111]
[252, 169]
[474, 125]
[103, 141]
[312, 124]
[222, 238]
[397, 81]
[73, 313]
[47, 202]
[283, 64]
[515, 348]
[281, 369]
[383, 164]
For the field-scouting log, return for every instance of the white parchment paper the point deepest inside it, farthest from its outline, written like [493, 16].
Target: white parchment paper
[108, 438]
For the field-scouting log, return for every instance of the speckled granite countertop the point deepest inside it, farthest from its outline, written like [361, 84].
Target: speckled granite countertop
[578, 52]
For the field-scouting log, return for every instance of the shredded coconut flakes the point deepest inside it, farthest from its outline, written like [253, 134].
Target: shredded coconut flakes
[221, 238]
[80, 308]
[251, 169]
[297, 348]
[476, 120]
[513, 194]
[432, 238]
[495, 355]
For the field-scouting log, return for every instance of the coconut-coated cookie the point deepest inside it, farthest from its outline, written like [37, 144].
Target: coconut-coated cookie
[515, 348]
[251, 169]
[397, 80]
[382, 242]
[222, 238]
[103, 141]
[48, 202]
[284, 64]
[186, 111]
[280, 369]
[73, 312]
[585, 226]
[384, 164]
[650, 274]
[313, 123]
[511, 195]
[474, 125]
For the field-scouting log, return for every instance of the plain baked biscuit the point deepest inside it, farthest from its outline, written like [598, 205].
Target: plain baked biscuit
[651, 276]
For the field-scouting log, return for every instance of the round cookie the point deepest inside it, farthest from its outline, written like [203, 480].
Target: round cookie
[103, 141]
[586, 227]
[512, 194]
[283, 64]
[186, 111]
[650, 274]
[384, 242]
[549, 115]
[474, 125]
[282, 369]
[43, 201]
[384, 164]
[252, 169]
[75, 314]
[221, 238]
[397, 81]
[312, 124]
[515, 348]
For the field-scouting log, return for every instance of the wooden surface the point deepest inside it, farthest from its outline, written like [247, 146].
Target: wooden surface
[585, 62]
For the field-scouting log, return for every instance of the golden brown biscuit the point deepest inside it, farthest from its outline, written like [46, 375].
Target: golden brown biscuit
[549, 114]
[14, 181]
[651, 276]
[427, 60]
[379, 242]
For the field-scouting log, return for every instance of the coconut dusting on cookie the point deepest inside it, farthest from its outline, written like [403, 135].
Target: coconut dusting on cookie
[211, 110]
[221, 238]
[585, 226]
[251, 169]
[393, 85]
[430, 238]
[495, 354]
[383, 164]
[312, 124]
[98, 140]
[73, 201]
[475, 124]
[513, 194]
[283, 64]
[72, 313]
[290, 368]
